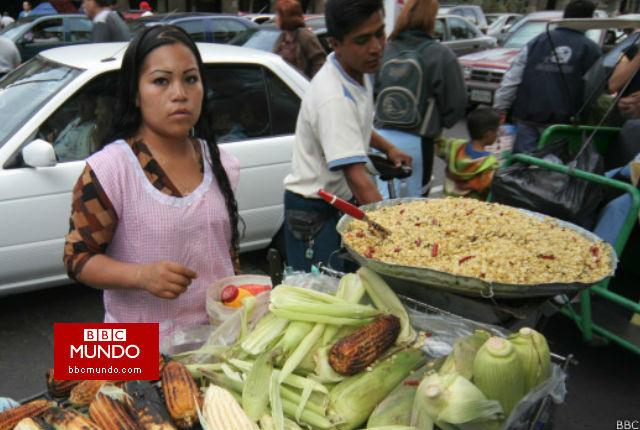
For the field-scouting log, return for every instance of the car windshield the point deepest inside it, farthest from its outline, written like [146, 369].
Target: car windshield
[12, 29]
[28, 88]
[261, 39]
[531, 29]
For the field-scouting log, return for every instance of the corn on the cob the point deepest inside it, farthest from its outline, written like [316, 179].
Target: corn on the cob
[32, 424]
[69, 419]
[84, 393]
[355, 352]
[222, 411]
[147, 407]
[111, 414]
[59, 388]
[181, 394]
[11, 417]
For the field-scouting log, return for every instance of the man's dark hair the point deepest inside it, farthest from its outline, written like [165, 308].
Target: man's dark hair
[579, 9]
[343, 16]
[482, 120]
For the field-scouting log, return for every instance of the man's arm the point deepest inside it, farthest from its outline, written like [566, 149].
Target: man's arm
[394, 154]
[623, 72]
[359, 181]
[99, 32]
[506, 94]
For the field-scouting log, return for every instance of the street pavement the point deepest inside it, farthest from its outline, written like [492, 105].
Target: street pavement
[603, 388]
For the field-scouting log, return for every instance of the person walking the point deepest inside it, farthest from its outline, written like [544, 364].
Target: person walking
[297, 45]
[107, 24]
[420, 73]
[27, 8]
[333, 134]
[154, 218]
[545, 84]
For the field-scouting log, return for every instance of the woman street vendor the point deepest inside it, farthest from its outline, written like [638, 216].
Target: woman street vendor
[154, 218]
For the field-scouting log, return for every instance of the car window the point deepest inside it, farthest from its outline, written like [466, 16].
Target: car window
[78, 126]
[524, 34]
[460, 29]
[262, 39]
[79, 29]
[24, 91]
[284, 105]
[470, 15]
[438, 31]
[226, 29]
[237, 98]
[47, 31]
[195, 28]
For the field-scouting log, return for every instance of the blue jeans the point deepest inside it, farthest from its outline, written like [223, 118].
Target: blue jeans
[304, 252]
[527, 138]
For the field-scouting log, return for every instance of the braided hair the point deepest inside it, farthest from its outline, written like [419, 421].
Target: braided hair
[127, 117]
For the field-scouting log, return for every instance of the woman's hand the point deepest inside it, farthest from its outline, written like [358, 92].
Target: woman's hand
[630, 105]
[165, 279]
[398, 157]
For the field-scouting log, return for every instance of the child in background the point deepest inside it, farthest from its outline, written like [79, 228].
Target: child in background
[469, 167]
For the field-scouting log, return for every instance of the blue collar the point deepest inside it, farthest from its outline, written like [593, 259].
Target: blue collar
[335, 61]
[468, 149]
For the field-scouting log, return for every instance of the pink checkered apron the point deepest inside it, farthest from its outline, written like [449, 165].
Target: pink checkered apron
[152, 226]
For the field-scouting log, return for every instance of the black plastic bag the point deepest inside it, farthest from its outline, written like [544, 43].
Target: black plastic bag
[553, 193]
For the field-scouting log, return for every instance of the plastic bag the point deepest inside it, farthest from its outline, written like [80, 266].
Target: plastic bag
[553, 193]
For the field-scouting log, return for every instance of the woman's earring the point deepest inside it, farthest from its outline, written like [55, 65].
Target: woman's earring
[192, 132]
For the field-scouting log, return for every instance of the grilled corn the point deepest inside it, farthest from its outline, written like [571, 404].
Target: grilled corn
[11, 417]
[181, 394]
[68, 419]
[32, 424]
[147, 407]
[59, 388]
[84, 393]
[111, 414]
[355, 352]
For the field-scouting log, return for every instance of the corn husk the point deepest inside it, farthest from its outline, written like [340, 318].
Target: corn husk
[353, 400]
[453, 402]
[255, 398]
[498, 373]
[395, 409]
[464, 352]
[533, 350]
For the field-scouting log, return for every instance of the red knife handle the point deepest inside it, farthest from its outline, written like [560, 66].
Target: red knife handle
[341, 204]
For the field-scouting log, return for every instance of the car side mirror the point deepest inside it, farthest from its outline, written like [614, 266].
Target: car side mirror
[39, 153]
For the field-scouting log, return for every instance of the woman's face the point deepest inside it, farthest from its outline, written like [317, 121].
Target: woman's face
[170, 91]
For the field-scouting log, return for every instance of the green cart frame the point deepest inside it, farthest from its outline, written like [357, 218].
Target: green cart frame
[583, 316]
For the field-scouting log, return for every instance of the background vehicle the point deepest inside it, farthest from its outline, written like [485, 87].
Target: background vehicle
[483, 71]
[470, 12]
[39, 32]
[500, 23]
[202, 27]
[455, 32]
[254, 97]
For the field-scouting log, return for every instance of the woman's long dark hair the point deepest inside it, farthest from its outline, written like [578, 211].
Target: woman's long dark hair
[128, 118]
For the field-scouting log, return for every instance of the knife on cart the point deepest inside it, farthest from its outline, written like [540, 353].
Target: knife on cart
[353, 211]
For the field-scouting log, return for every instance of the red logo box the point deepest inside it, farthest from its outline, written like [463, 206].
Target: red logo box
[111, 351]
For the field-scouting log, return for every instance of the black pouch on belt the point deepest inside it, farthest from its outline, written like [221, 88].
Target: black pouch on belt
[305, 225]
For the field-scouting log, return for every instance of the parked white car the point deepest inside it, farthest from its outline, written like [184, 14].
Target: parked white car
[255, 98]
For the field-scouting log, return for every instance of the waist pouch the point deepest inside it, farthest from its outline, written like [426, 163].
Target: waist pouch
[305, 225]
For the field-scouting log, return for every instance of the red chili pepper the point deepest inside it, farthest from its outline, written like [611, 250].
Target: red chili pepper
[418, 242]
[360, 233]
[401, 211]
[594, 251]
[417, 224]
[412, 382]
[470, 211]
[434, 250]
[467, 258]
[397, 249]
[434, 222]
[546, 257]
[370, 252]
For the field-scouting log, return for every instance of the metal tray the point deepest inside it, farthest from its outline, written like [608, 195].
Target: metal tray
[463, 284]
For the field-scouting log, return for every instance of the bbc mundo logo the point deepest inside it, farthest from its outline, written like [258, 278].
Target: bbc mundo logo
[104, 343]
[627, 424]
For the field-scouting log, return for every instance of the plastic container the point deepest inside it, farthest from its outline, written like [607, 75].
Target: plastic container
[218, 313]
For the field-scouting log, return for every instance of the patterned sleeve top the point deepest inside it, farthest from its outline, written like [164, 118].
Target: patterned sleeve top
[93, 219]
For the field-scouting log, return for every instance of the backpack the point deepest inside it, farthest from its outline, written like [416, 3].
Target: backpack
[290, 50]
[402, 100]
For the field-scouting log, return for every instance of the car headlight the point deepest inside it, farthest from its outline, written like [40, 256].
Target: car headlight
[466, 72]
